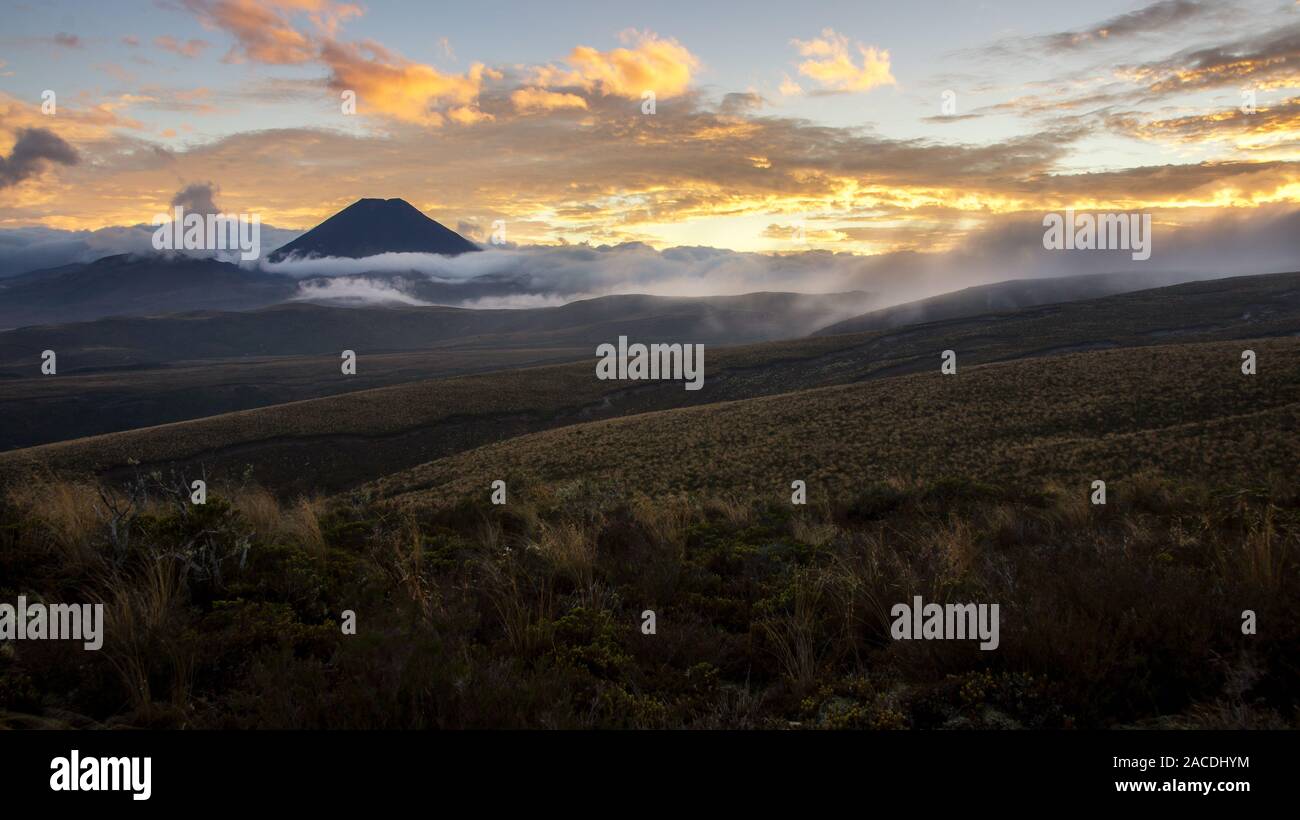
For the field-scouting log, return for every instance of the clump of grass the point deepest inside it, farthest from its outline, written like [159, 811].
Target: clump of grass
[794, 632]
[259, 508]
[570, 546]
[812, 529]
[400, 553]
[666, 519]
[301, 523]
[143, 615]
[522, 602]
[737, 512]
[1266, 555]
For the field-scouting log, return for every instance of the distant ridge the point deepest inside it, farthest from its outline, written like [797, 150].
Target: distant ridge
[372, 226]
[127, 285]
[1006, 296]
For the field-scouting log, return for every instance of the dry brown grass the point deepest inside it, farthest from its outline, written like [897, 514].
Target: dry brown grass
[571, 547]
[259, 508]
[140, 609]
[1071, 506]
[1265, 556]
[800, 644]
[298, 520]
[813, 529]
[302, 524]
[1100, 415]
[72, 514]
[523, 603]
[955, 540]
[400, 554]
[666, 519]
[738, 512]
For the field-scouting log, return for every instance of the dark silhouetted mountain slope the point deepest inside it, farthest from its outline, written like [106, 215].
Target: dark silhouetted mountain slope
[136, 285]
[373, 226]
[297, 329]
[1003, 296]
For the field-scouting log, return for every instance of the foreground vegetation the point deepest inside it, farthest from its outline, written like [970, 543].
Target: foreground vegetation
[227, 615]
[973, 488]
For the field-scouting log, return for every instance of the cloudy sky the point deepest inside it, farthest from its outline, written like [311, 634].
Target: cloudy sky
[849, 127]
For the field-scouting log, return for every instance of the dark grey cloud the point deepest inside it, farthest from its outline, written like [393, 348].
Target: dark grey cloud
[738, 103]
[1267, 56]
[1260, 56]
[471, 230]
[198, 197]
[1157, 17]
[34, 148]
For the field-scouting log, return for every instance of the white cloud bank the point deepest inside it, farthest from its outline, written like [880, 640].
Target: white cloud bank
[1261, 241]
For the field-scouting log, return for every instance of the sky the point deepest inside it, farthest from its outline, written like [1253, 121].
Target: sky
[864, 128]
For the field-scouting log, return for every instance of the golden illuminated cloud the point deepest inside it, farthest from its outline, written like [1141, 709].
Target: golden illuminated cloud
[539, 99]
[1263, 127]
[401, 89]
[831, 64]
[618, 177]
[74, 123]
[1267, 60]
[653, 63]
[558, 152]
[262, 29]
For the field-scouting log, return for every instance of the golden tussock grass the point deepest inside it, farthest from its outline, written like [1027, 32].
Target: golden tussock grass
[140, 609]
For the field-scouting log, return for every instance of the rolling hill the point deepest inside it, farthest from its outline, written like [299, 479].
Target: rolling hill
[341, 441]
[1084, 416]
[136, 285]
[118, 374]
[41, 410]
[627, 498]
[1002, 297]
[315, 330]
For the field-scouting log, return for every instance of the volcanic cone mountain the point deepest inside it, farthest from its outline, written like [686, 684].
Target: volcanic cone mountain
[372, 226]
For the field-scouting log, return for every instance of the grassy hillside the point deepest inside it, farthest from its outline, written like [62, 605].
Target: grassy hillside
[627, 499]
[966, 488]
[312, 330]
[341, 441]
[1001, 297]
[1183, 410]
[125, 373]
[42, 410]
